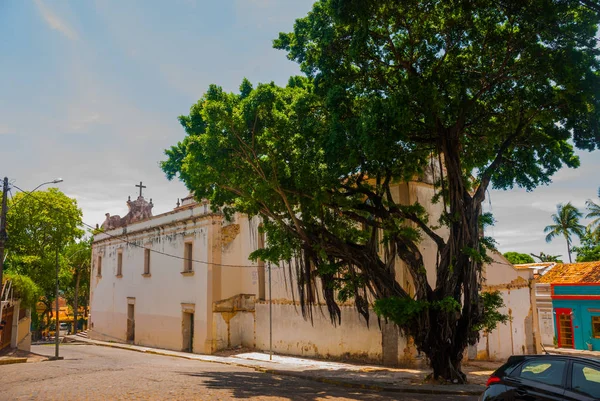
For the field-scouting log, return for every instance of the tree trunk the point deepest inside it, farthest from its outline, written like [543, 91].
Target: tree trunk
[75, 299]
[569, 251]
[458, 273]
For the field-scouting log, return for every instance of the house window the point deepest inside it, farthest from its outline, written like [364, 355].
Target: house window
[187, 256]
[99, 266]
[119, 264]
[596, 326]
[146, 261]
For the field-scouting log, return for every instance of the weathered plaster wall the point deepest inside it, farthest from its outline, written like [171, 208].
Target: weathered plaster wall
[234, 329]
[238, 242]
[295, 336]
[518, 335]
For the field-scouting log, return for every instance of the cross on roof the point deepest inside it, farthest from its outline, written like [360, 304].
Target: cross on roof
[140, 187]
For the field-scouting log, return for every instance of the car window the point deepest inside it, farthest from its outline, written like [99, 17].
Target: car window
[544, 371]
[586, 380]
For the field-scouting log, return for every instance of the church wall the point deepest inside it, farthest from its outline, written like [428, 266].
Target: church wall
[239, 239]
[518, 335]
[160, 297]
[235, 329]
[293, 335]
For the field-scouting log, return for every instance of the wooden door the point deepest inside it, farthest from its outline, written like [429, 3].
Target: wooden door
[564, 327]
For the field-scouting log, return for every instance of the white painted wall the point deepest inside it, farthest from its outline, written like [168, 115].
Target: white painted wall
[158, 298]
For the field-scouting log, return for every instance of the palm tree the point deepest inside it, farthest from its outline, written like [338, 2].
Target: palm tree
[594, 213]
[566, 223]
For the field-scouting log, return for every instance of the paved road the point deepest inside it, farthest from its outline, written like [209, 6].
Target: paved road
[91, 372]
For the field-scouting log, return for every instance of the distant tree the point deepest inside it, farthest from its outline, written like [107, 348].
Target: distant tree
[589, 250]
[594, 213]
[517, 258]
[77, 257]
[566, 224]
[542, 257]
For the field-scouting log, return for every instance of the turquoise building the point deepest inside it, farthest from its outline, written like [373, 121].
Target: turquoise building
[576, 308]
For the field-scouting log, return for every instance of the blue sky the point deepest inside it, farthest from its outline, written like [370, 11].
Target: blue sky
[91, 91]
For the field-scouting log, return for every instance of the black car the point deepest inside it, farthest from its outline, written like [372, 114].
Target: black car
[545, 377]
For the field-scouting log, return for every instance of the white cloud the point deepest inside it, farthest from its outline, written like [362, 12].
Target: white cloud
[55, 22]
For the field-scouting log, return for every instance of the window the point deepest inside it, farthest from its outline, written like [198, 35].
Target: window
[543, 370]
[586, 380]
[99, 266]
[596, 326]
[119, 264]
[146, 261]
[187, 256]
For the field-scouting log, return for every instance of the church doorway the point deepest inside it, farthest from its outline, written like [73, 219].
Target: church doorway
[188, 331]
[131, 323]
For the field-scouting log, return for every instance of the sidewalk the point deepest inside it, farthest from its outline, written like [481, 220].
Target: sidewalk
[337, 373]
[10, 356]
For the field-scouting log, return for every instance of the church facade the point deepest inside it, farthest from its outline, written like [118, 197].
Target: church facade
[182, 281]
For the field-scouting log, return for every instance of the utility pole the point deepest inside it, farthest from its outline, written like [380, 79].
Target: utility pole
[3, 235]
[270, 317]
[57, 328]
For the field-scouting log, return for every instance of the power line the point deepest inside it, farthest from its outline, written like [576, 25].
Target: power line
[119, 237]
[133, 243]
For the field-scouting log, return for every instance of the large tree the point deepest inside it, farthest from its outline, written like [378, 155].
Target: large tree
[566, 224]
[493, 91]
[39, 226]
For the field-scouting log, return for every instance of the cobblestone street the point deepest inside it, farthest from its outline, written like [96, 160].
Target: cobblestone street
[99, 373]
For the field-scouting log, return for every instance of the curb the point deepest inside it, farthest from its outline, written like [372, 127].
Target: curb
[305, 376]
[11, 361]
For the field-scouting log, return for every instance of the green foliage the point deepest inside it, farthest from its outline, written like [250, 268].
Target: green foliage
[517, 258]
[40, 225]
[406, 311]
[24, 289]
[75, 282]
[589, 250]
[492, 302]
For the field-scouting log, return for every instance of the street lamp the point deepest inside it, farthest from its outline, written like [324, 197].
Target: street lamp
[55, 181]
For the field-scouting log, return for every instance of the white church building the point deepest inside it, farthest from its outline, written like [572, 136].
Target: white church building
[182, 280]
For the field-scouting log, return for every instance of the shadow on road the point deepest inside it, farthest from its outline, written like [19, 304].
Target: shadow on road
[256, 384]
[246, 385]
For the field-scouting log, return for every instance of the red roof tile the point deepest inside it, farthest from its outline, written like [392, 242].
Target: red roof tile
[585, 272]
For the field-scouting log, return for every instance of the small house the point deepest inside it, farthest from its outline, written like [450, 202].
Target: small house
[575, 294]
